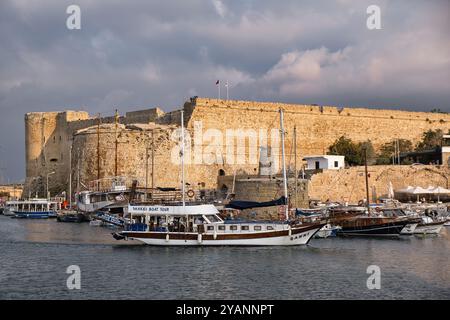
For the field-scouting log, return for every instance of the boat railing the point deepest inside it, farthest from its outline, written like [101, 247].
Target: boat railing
[136, 227]
[108, 184]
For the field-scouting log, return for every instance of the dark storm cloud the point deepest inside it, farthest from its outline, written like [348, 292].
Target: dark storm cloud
[138, 54]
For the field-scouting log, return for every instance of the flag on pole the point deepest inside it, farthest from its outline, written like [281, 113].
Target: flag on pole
[218, 87]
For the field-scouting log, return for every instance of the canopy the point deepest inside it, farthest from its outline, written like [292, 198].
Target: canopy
[430, 191]
[438, 190]
[172, 210]
[241, 205]
[413, 190]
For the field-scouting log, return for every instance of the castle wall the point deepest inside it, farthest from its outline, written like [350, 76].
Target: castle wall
[48, 138]
[131, 155]
[50, 134]
[10, 192]
[318, 127]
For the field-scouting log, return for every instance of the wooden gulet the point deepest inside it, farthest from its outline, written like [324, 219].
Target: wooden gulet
[200, 225]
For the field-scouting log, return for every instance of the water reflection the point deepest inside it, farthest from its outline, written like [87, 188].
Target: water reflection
[35, 254]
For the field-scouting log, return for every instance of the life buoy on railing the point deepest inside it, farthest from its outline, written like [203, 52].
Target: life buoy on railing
[190, 193]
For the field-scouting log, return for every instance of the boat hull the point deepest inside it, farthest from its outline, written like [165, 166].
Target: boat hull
[326, 232]
[429, 228]
[8, 213]
[296, 236]
[391, 229]
[32, 215]
[409, 229]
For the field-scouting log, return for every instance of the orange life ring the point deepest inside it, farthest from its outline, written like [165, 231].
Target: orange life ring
[190, 193]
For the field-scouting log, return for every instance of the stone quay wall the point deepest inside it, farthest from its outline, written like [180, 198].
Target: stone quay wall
[349, 185]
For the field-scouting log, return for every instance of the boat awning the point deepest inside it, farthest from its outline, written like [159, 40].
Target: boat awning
[241, 205]
[173, 210]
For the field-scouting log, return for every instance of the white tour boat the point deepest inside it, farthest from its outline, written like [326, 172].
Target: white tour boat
[32, 208]
[200, 225]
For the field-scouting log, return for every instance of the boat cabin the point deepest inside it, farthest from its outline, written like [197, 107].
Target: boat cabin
[192, 219]
[33, 205]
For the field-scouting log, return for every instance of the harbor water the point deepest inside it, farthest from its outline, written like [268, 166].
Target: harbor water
[35, 255]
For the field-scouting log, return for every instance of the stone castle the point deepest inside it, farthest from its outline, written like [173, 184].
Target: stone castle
[143, 145]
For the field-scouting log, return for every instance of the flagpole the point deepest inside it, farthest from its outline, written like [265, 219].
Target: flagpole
[227, 90]
[182, 159]
[218, 86]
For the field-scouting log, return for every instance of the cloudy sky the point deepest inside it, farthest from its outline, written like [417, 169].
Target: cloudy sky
[135, 54]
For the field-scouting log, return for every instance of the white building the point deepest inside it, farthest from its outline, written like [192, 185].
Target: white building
[446, 150]
[325, 162]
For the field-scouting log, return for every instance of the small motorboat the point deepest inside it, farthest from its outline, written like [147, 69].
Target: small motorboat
[70, 216]
[96, 223]
[32, 208]
[429, 226]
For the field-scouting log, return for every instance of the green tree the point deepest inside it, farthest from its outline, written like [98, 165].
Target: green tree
[437, 110]
[387, 150]
[430, 139]
[345, 147]
[371, 155]
[353, 152]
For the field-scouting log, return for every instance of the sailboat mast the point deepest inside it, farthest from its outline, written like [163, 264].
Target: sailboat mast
[367, 180]
[182, 158]
[284, 165]
[98, 150]
[116, 124]
[295, 164]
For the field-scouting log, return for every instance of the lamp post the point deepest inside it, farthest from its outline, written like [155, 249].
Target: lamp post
[49, 174]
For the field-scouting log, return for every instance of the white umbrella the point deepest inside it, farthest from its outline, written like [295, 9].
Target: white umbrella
[414, 191]
[408, 190]
[390, 190]
[439, 190]
[420, 190]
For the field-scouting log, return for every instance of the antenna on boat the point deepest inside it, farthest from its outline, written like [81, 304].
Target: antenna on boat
[367, 181]
[182, 158]
[284, 166]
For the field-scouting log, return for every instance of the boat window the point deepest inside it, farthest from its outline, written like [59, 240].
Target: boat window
[257, 228]
[233, 227]
[269, 228]
[222, 228]
[198, 220]
[212, 218]
[210, 228]
[244, 227]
